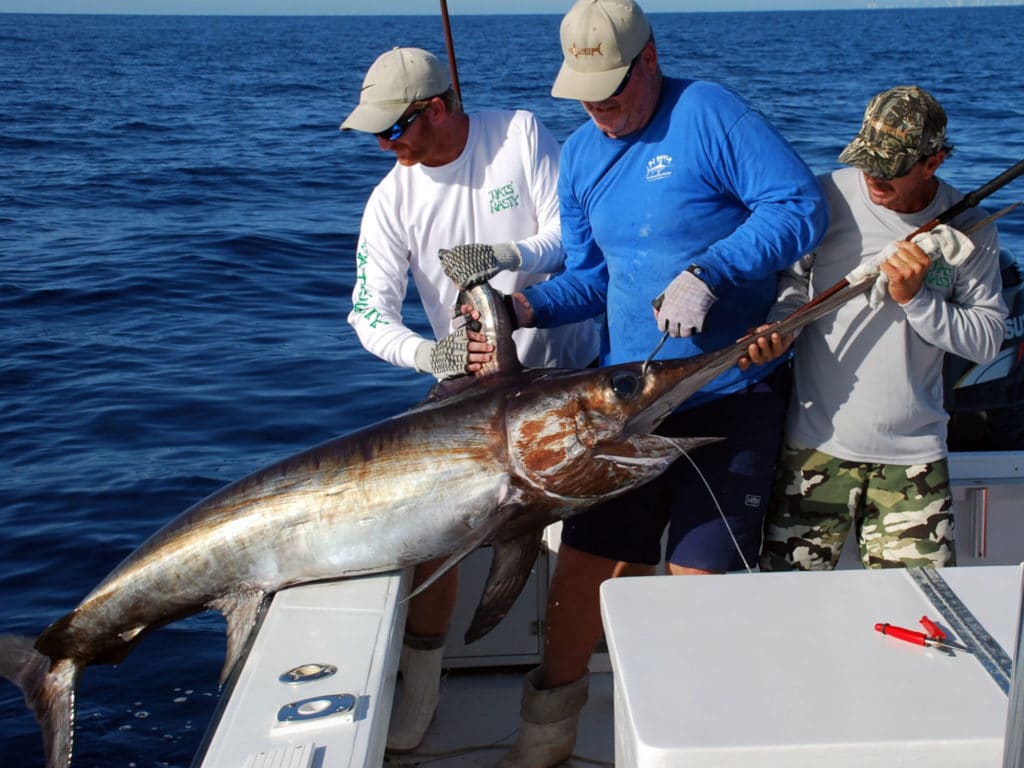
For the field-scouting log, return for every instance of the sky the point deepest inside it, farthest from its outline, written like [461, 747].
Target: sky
[455, 7]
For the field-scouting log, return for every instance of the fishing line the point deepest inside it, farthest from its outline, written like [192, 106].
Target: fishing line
[718, 506]
[711, 493]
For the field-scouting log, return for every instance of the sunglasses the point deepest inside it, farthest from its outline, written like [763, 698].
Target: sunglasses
[401, 124]
[625, 79]
[629, 72]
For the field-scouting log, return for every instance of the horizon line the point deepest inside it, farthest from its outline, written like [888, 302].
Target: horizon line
[875, 5]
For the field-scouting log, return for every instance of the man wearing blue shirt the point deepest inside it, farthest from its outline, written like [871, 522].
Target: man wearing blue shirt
[677, 192]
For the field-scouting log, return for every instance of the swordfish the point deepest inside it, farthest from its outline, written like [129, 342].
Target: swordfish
[490, 458]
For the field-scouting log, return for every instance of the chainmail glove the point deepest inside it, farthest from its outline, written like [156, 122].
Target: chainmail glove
[446, 358]
[684, 304]
[470, 265]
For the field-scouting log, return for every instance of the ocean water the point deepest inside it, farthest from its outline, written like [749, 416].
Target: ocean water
[178, 216]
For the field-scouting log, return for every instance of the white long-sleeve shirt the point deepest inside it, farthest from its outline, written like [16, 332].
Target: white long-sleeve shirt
[501, 188]
[868, 382]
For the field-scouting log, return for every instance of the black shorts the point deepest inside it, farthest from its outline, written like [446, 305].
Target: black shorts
[738, 470]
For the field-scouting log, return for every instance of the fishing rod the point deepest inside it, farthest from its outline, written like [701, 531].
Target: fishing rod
[969, 200]
[451, 49]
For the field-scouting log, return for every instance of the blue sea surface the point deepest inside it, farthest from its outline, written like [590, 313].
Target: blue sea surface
[178, 218]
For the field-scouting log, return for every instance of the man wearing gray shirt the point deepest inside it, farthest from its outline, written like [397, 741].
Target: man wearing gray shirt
[865, 443]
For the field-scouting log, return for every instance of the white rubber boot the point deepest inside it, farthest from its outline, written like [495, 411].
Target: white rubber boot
[547, 735]
[420, 668]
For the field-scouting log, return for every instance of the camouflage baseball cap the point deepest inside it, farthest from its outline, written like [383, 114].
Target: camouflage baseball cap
[900, 126]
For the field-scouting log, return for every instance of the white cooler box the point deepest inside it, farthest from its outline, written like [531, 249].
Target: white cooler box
[784, 670]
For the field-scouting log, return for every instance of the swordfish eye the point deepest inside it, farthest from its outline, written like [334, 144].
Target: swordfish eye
[626, 385]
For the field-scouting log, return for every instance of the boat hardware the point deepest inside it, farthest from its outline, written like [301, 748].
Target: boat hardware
[305, 673]
[335, 704]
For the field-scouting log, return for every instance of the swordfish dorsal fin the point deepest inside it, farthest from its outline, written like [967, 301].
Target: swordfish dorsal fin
[496, 323]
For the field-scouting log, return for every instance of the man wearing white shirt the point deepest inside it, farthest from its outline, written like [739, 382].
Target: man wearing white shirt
[480, 188]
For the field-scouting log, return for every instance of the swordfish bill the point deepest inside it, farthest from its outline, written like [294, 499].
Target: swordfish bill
[484, 459]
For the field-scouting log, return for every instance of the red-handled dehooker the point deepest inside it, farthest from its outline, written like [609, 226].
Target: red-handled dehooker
[917, 638]
[932, 629]
[911, 636]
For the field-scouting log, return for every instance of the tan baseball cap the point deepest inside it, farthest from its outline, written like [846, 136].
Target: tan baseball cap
[394, 81]
[900, 126]
[600, 38]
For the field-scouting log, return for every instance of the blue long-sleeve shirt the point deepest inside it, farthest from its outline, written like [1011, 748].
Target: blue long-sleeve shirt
[708, 181]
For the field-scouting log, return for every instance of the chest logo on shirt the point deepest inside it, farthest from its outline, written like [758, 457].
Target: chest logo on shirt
[940, 275]
[503, 198]
[659, 167]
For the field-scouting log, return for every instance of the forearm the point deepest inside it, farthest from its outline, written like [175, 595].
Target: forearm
[376, 314]
[542, 253]
[565, 299]
[770, 240]
[393, 343]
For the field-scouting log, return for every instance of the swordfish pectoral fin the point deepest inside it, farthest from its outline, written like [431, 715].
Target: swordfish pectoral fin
[49, 691]
[241, 610]
[511, 565]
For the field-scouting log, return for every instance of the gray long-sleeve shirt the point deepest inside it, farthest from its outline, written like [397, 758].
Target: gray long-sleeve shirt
[868, 382]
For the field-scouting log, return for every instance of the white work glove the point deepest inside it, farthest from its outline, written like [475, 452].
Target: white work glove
[446, 358]
[684, 304]
[943, 241]
[470, 265]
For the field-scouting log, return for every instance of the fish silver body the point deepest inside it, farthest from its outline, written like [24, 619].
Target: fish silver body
[397, 493]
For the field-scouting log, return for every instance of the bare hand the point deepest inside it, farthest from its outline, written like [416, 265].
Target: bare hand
[906, 270]
[524, 311]
[764, 347]
[480, 349]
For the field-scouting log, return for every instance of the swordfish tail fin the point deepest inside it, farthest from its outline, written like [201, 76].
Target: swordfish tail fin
[49, 691]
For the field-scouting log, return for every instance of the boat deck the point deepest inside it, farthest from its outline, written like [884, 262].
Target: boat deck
[478, 718]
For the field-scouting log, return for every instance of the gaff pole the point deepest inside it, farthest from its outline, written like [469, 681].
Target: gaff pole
[451, 49]
[969, 200]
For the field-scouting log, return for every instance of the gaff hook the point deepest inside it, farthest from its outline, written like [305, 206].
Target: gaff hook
[643, 368]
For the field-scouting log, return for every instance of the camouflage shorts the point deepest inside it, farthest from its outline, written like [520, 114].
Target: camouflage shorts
[902, 515]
